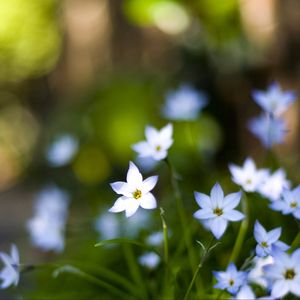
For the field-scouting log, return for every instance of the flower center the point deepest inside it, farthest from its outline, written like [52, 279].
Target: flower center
[289, 274]
[293, 204]
[158, 148]
[248, 181]
[231, 282]
[264, 244]
[218, 211]
[137, 194]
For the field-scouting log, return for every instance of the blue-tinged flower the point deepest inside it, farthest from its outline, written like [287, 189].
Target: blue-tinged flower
[289, 203]
[10, 274]
[135, 192]
[184, 104]
[284, 273]
[274, 100]
[230, 280]
[267, 240]
[155, 239]
[247, 176]
[47, 226]
[149, 260]
[268, 130]
[62, 150]
[245, 293]
[274, 185]
[157, 143]
[217, 210]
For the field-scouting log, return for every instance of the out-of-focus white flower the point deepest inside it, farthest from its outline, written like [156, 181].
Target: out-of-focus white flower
[274, 185]
[274, 100]
[256, 274]
[268, 130]
[62, 150]
[47, 226]
[10, 274]
[155, 239]
[108, 226]
[135, 192]
[247, 176]
[157, 142]
[184, 104]
[150, 260]
[245, 293]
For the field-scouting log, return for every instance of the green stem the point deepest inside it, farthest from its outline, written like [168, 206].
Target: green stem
[183, 220]
[204, 255]
[134, 269]
[165, 233]
[242, 232]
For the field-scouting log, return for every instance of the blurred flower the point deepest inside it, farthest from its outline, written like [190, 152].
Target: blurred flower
[147, 164]
[245, 293]
[62, 150]
[184, 104]
[47, 227]
[274, 185]
[108, 226]
[284, 273]
[289, 202]
[11, 272]
[267, 240]
[274, 100]
[217, 210]
[149, 260]
[230, 280]
[268, 130]
[248, 176]
[155, 239]
[157, 142]
[256, 274]
[136, 192]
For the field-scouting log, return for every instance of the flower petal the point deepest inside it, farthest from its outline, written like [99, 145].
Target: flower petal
[151, 135]
[142, 148]
[122, 188]
[260, 233]
[134, 177]
[15, 254]
[131, 207]
[204, 214]
[218, 227]
[274, 235]
[279, 289]
[231, 201]
[233, 215]
[216, 195]
[149, 183]
[203, 200]
[148, 201]
[119, 205]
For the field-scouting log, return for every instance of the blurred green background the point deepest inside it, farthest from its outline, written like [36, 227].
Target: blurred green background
[99, 70]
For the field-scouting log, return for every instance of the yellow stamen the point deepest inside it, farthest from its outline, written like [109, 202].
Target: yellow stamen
[137, 194]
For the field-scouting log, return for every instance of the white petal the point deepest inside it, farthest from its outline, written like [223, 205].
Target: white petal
[121, 188]
[274, 235]
[148, 201]
[295, 287]
[203, 214]
[216, 195]
[203, 200]
[260, 233]
[166, 132]
[218, 227]
[119, 205]
[149, 183]
[279, 289]
[142, 148]
[151, 134]
[15, 254]
[231, 201]
[233, 215]
[131, 207]
[134, 177]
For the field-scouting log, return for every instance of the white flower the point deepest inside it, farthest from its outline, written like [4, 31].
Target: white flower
[62, 150]
[157, 142]
[135, 192]
[155, 239]
[217, 210]
[108, 226]
[284, 273]
[149, 260]
[47, 226]
[274, 185]
[184, 104]
[11, 272]
[245, 293]
[274, 100]
[248, 176]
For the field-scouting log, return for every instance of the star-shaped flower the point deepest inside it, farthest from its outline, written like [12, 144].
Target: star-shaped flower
[289, 203]
[274, 185]
[268, 130]
[135, 192]
[157, 143]
[230, 280]
[217, 210]
[11, 272]
[184, 104]
[247, 176]
[284, 273]
[274, 100]
[267, 240]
